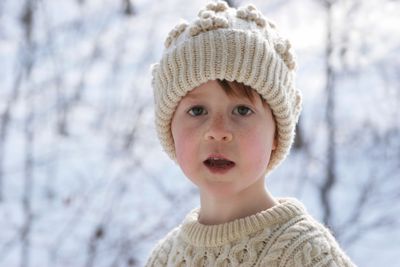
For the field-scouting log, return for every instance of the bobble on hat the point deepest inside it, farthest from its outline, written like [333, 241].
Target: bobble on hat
[251, 13]
[175, 32]
[217, 6]
[282, 47]
[209, 20]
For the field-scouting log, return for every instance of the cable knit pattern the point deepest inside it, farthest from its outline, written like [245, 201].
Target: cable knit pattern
[284, 235]
[231, 44]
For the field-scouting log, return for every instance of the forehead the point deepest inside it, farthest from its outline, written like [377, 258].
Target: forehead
[204, 89]
[212, 87]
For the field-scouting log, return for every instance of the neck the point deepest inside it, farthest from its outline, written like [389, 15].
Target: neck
[217, 210]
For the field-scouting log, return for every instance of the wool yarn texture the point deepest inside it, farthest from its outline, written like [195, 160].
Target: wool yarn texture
[232, 44]
[285, 235]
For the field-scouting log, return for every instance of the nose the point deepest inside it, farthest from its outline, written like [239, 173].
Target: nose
[218, 131]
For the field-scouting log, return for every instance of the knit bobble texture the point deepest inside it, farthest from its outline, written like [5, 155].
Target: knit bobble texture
[251, 13]
[208, 21]
[175, 32]
[217, 6]
[228, 44]
[282, 47]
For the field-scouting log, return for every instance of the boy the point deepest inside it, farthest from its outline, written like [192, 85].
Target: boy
[226, 110]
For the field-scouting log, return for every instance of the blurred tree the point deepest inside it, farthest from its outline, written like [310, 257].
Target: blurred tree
[76, 156]
[340, 18]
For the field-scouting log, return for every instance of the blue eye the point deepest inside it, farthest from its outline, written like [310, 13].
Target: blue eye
[197, 111]
[242, 111]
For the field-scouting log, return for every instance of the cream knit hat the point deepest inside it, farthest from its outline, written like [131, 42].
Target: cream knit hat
[231, 44]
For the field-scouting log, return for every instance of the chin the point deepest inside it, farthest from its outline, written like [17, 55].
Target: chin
[218, 189]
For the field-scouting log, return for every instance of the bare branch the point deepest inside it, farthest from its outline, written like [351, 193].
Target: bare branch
[330, 179]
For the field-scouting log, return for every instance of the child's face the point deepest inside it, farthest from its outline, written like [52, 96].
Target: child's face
[209, 123]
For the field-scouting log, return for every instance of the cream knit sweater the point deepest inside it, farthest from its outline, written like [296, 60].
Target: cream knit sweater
[284, 235]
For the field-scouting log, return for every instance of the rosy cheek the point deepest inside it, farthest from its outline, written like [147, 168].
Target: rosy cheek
[179, 145]
[183, 143]
[256, 147]
[186, 151]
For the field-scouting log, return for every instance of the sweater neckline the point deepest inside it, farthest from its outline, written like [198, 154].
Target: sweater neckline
[198, 234]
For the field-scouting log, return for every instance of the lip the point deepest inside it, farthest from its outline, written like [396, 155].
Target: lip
[220, 156]
[219, 170]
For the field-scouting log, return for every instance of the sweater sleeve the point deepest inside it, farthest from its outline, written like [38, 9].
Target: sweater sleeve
[306, 243]
[320, 252]
[159, 255]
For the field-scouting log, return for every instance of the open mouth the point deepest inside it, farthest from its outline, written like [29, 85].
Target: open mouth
[218, 164]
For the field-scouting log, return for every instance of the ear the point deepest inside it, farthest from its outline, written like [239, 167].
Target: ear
[275, 142]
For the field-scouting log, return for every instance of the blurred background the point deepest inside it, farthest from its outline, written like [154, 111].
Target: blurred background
[83, 179]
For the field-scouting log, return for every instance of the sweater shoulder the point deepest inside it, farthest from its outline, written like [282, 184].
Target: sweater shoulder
[306, 242]
[159, 254]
